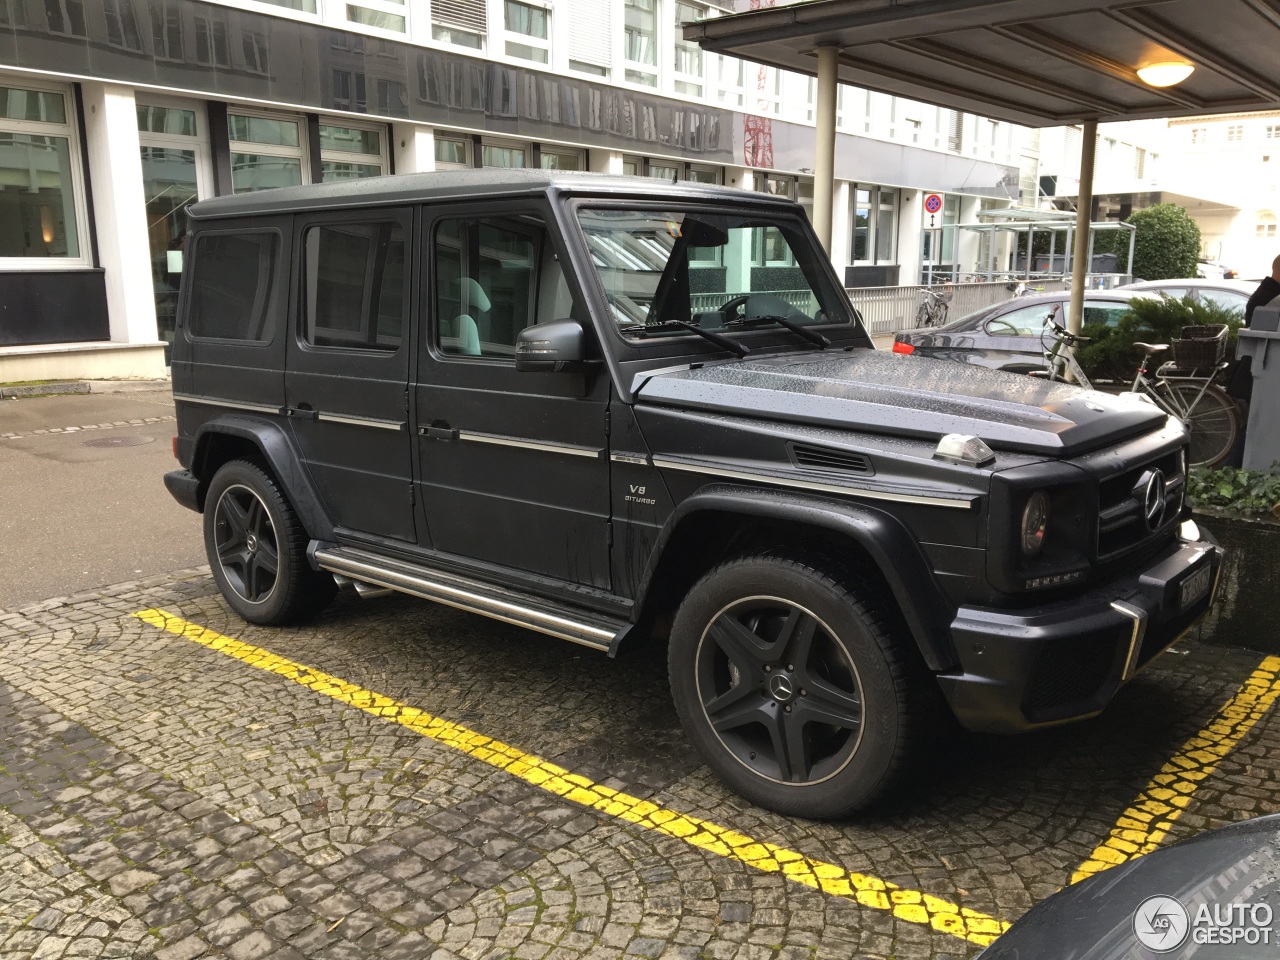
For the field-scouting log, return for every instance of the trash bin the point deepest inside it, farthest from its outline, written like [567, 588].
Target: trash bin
[1261, 343]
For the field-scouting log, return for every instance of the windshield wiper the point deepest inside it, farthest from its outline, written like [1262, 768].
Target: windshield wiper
[728, 343]
[811, 335]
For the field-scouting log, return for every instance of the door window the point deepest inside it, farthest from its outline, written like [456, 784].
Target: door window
[1103, 313]
[355, 285]
[494, 277]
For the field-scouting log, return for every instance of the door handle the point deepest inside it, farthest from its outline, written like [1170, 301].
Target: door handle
[441, 431]
[303, 411]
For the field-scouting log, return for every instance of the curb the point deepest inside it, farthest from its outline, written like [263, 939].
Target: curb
[80, 387]
[43, 390]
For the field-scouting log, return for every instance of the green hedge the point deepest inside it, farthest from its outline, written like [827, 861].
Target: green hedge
[1247, 492]
[1110, 354]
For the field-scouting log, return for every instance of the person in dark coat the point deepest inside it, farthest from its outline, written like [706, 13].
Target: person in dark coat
[1240, 386]
[1267, 291]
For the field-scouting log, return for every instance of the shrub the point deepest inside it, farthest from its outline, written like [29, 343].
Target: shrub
[1110, 354]
[1247, 492]
[1166, 245]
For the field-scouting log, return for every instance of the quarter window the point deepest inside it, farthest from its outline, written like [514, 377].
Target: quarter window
[355, 285]
[232, 290]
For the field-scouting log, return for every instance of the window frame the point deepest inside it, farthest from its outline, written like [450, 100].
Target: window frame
[300, 152]
[366, 159]
[527, 39]
[70, 130]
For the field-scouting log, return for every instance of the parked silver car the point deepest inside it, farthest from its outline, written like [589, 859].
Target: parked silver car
[1232, 294]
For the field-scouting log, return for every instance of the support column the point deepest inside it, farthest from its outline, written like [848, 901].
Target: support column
[825, 144]
[1084, 206]
[414, 148]
[120, 212]
[600, 160]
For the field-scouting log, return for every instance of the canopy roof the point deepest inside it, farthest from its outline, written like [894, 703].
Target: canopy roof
[1036, 62]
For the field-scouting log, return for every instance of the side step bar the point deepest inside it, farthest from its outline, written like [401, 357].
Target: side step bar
[475, 596]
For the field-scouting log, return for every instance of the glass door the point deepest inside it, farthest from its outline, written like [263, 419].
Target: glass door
[175, 174]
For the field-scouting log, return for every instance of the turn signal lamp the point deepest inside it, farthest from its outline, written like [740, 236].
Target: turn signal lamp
[959, 448]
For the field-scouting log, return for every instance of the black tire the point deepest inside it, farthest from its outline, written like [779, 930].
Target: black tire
[1212, 422]
[924, 318]
[257, 549]
[845, 734]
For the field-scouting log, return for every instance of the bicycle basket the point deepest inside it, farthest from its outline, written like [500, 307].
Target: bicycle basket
[1202, 346]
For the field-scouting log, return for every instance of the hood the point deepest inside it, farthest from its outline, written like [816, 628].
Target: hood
[889, 393]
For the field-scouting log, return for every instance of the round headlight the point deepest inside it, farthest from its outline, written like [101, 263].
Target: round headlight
[1035, 518]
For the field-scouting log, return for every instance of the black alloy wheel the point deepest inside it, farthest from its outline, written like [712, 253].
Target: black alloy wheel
[798, 685]
[246, 543]
[257, 548]
[780, 690]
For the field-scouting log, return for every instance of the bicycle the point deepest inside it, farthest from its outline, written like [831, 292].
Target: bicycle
[1179, 387]
[932, 311]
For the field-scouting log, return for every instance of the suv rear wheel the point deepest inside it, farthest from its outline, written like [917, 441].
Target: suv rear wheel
[799, 695]
[257, 548]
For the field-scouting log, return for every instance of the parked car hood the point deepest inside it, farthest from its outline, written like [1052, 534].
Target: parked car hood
[900, 395]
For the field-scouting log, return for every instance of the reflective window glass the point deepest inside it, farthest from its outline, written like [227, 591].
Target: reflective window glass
[350, 139]
[342, 170]
[355, 285]
[253, 171]
[42, 105]
[232, 294]
[170, 120]
[267, 130]
[37, 198]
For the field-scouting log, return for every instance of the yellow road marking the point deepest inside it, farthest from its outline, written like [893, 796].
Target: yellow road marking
[912, 906]
[1146, 823]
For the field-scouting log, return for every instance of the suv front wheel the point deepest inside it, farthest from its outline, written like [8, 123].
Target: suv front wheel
[257, 548]
[799, 694]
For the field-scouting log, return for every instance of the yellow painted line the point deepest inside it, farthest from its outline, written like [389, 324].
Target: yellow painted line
[912, 906]
[1142, 827]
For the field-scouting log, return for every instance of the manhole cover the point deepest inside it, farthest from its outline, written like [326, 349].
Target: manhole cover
[125, 441]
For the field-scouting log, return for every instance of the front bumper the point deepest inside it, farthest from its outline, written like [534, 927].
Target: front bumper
[1065, 661]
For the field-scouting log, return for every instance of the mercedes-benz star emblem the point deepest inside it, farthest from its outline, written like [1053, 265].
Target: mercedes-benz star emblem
[1153, 499]
[781, 688]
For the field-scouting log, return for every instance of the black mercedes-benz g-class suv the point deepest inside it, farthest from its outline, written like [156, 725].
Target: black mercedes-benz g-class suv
[607, 408]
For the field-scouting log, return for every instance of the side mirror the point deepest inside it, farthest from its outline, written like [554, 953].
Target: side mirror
[552, 346]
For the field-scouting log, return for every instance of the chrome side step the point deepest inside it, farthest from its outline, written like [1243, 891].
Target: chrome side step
[475, 596]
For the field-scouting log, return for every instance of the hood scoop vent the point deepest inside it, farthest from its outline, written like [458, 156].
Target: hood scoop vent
[830, 461]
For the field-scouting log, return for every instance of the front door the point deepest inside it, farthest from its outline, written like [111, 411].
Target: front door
[513, 466]
[347, 372]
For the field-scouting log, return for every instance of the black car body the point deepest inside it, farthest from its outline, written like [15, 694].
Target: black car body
[1214, 897]
[610, 408]
[1009, 336]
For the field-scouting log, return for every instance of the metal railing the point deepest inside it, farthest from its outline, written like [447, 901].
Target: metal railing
[886, 310]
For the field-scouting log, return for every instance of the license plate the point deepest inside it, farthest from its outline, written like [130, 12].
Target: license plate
[1194, 587]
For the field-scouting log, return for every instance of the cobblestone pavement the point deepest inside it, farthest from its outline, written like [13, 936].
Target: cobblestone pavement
[161, 798]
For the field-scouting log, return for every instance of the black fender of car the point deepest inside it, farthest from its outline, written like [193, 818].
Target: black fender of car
[880, 538]
[234, 436]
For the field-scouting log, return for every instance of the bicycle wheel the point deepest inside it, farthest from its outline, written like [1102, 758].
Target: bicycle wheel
[1211, 420]
[924, 318]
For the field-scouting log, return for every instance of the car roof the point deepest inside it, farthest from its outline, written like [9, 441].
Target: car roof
[465, 184]
[1246, 287]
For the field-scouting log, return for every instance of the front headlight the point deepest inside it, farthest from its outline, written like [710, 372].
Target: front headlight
[1035, 519]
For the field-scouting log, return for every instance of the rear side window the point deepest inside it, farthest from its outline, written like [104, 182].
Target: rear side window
[355, 285]
[232, 287]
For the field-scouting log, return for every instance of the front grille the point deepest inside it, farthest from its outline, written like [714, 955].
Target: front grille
[1067, 676]
[1122, 520]
[824, 458]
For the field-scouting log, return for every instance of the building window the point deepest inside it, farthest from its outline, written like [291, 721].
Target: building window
[266, 151]
[501, 155]
[559, 159]
[1266, 225]
[689, 60]
[662, 170]
[1273, 131]
[40, 181]
[731, 82]
[1199, 136]
[350, 152]
[528, 31]
[389, 15]
[1235, 133]
[632, 166]
[955, 131]
[640, 41]
[462, 23]
[452, 153]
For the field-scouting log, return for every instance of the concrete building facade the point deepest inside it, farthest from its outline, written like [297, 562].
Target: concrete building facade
[115, 115]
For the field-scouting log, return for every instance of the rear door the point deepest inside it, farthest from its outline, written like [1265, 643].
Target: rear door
[513, 465]
[347, 370]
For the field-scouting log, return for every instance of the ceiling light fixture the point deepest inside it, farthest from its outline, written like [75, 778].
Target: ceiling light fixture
[1165, 74]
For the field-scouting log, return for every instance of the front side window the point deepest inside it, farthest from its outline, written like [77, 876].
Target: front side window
[355, 285]
[232, 288]
[494, 276]
[664, 269]
[38, 207]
